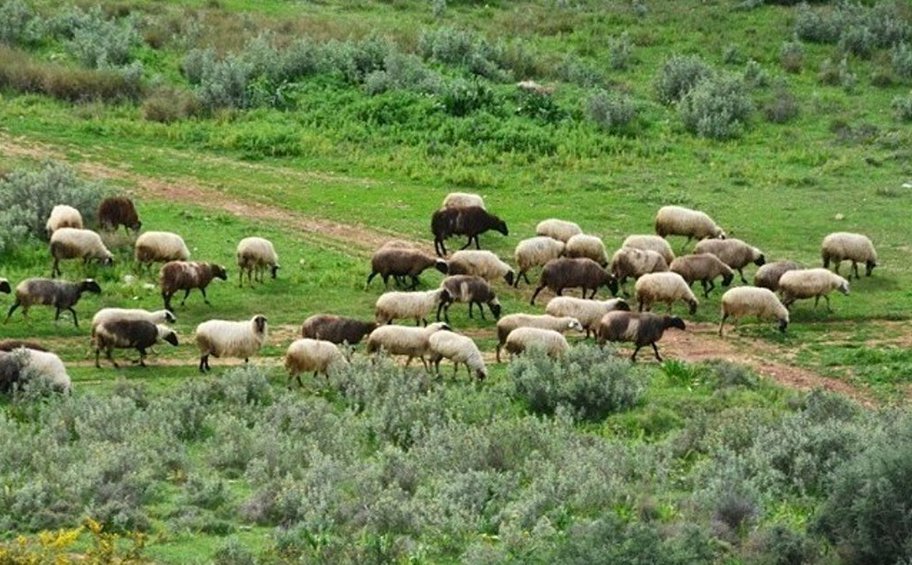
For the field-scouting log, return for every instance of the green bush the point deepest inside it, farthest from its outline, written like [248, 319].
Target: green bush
[902, 106]
[837, 74]
[464, 49]
[167, 105]
[791, 56]
[620, 52]
[901, 60]
[782, 107]
[717, 107]
[611, 112]
[403, 72]
[99, 42]
[19, 24]
[754, 75]
[233, 552]
[462, 97]
[680, 74]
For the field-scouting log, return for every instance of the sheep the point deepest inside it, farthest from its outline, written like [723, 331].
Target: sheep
[23, 363]
[400, 261]
[535, 252]
[5, 286]
[629, 262]
[129, 334]
[458, 349]
[417, 304]
[75, 243]
[704, 268]
[563, 273]
[482, 264]
[159, 247]
[399, 340]
[11, 344]
[256, 254]
[769, 274]
[314, 355]
[664, 287]
[63, 216]
[639, 328]
[588, 312]
[523, 339]
[109, 314]
[463, 200]
[62, 295]
[470, 290]
[651, 243]
[677, 220]
[222, 338]
[805, 283]
[753, 301]
[116, 211]
[336, 329]
[733, 252]
[183, 275]
[855, 247]
[582, 245]
[471, 222]
[560, 230]
[547, 322]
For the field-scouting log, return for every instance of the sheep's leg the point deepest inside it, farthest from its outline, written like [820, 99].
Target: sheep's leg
[142, 357]
[167, 299]
[633, 357]
[740, 272]
[13, 309]
[370, 277]
[855, 268]
[534, 294]
[481, 309]
[816, 301]
[456, 369]
[439, 247]
[594, 291]
[415, 282]
[408, 361]
[240, 277]
[186, 294]
[656, 349]
[827, 298]
[75, 319]
[722, 323]
[97, 355]
[204, 363]
[109, 354]
[425, 363]
[56, 315]
[471, 304]
[708, 285]
[205, 298]
[468, 243]
[477, 243]
[497, 351]
[55, 270]
[836, 266]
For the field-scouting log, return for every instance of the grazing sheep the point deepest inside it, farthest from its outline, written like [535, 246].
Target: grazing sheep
[628, 262]
[470, 222]
[733, 252]
[535, 252]
[854, 247]
[588, 312]
[458, 349]
[314, 355]
[651, 243]
[560, 230]
[582, 245]
[109, 314]
[677, 220]
[769, 274]
[482, 264]
[63, 216]
[24, 363]
[523, 339]
[468, 290]
[399, 340]
[183, 275]
[664, 287]
[563, 273]
[807, 283]
[509, 323]
[159, 247]
[11, 344]
[5, 286]
[417, 304]
[463, 200]
[752, 301]
[116, 211]
[129, 334]
[62, 295]
[639, 328]
[222, 338]
[400, 261]
[74, 243]
[704, 268]
[336, 329]
[256, 254]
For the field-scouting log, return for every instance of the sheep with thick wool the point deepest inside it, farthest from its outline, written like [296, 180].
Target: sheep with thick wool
[336, 329]
[588, 312]
[810, 283]
[561, 230]
[844, 246]
[63, 216]
[470, 290]
[753, 301]
[664, 287]
[480, 263]
[639, 328]
[590, 246]
[223, 338]
[509, 323]
[416, 305]
[175, 276]
[769, 274]
[312, 355]
[535, 252]
[129, 334]
[116, 211]
[75, 243]
[110, 314]
[254, 256]
[403, 340]
[677, 220]
[159, 247]
[651, 243]
[24, 363]
[470, 221]
[522, 339]
[563, 273]
[733, 252]
[62, 295]
[629, 262]
[458, 349]
[463, 200]
[705, 268]
[400, 260]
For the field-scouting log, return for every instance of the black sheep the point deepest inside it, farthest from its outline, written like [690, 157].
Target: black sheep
[470, 221]
[640, 328]
[336, 329]
[129, 334]
[468, 289]
[562, 273]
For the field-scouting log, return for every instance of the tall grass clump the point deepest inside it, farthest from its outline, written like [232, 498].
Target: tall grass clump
[620, 52]
[97, 41]
[611, 112]
[464, 49]
[717, 107]
[678, 75]
[857, 28]
[791, 56]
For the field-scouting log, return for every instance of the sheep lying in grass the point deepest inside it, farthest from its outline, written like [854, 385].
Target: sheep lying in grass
[733, 252]
[769, 274]
[677, 220]
[417, 305]
[222, 338]
[255, 255]
[509, 323]
[664, 287]
[400, 262]
[551, 342]
[159, 247]
[480, 263]
[704, 268]
[458, 349]
[571, 273]
[336, 329]
[810, 283]
[640, 328]
[22, 364]
[752, 301]
[560, 230]
[535, 252]
[182, 275]
[588, 312]
[468, 290]
[129, 334]
[73, 243]
[470, 222]
[312, 355]
[62, 295]
[116, 211]
[844, 246]
[401, 340]
[63, 216]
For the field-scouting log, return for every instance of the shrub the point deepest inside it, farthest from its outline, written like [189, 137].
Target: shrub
[837, 74]
[717, 108]
[754, 75]
[575, 71]
[782, 107]
[19, 24]
[816, 26]
[791, 56]
[98, 42]
[461, 97]
[196, 63]
[167, 104]
[233, 552]
[901, 60]
[858, 40]
[611, 112]
[679, 74]
[620, 52]
[224, 84]
[539, 105]
[781, 545]
[403, 72]
[465, 49]
[902, 106]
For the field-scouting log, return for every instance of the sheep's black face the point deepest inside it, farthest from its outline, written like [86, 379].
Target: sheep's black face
[90, 285]
[761, 260]
[171, 338]
[782, 325]
[693, 308]
[442, 266]
[727, 279]
[509, 278]
[612, 285]
[219, 272]
[274, 270]
[869, 266]
[622, 305]
[480, 374]
[502, 227]
[107, 261]
[136, 227]
[260, 323]
[675, 322]
[169, 317]
[5, 287]
[495, 309]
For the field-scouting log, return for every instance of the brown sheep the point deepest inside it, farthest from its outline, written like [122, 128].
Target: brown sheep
[704, 268]
[401, 262]
[467, 289]
[640, 328]
[470, 221]
[564, 272]
[336, 329]
[187, 275]
[116, 211]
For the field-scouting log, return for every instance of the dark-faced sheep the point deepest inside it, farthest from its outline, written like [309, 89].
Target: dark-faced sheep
[183, 275]
[254, 256]
[562, 273]
[74, 243]
[677, 220]
[480, 263]
[223, 338]
[116, 211]
[470, 222]
[855, 247]
[400, 262]
[129, 334]
[62, 295]
[639, 328]
[468, 290]
[336, 329]
[704, 267]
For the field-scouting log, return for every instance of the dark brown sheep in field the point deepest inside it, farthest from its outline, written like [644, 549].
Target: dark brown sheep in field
[62, 295]
[470, 221]
[639, 328]
[467, 289]
[562, 273]
[129, 334]
[116, 211]
[336, 329]
[400, 262]
[187, 275]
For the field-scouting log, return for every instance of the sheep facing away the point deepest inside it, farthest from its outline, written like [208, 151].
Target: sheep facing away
[222, 338]
[336, 329]
[769, 274]
[5, 286]
[551, 342]
[62, 295]
[400, 262]
[639, 328]
[183, 275]
[563, 273]
[470, 222]
[588, 312]
[416, 304]
[129, 334]
[664, 287]
[74, 243]
[704, 268]
[808, 283]
[582, 245]
[255, 255]
[116, 211]
[753, 301]
[25, 363]
[479, 263]
[651, 243]
[312, 355]
[463, 200]
[561, 230]
[468, 290]
[854, 247]
[509, 323]
[677, 220]
[159, 247]
[458, 349]
[63, 216]
[733, 252]
[401, 340]
[535, 252]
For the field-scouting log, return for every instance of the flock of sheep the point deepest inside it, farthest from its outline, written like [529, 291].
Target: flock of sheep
[567, 257]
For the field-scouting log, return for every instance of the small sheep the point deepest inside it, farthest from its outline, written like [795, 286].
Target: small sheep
[24, 363]
[677, 220]
[222, 338]
[417, 304]
[509, 323]
[482, 264]
[62, 295]
[807, 283]
[129, 334]
[664, 287]
[399, 261]
[63, 216]
[11, 344]
[571, 273]
[535, 252]
[159, 247]
[468, 290]
[183, 275]
[399, 340]
[256, 254]
[854, 247]
[523, 339]
[628, 262]
[463, 200]
[471, 222]
[733, 252]
[560, 230]
[313, 355]
[458, 349]
[752, 301]
[5, 286]
[582, 245]
[336, 329]
[116, 211]
[639, 328]
[769, 274]
[704, 268]
[651, 243]
[588, 312]
[74, 243]
[109, 314]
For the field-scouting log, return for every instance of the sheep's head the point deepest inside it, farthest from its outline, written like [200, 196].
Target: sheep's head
[760, 260]
[481, 374]
[442, 266]
[494, 304]
[169, 317]
[693, 307]
[574, 324]
[727, 279]
[783, 323]
[843, 286]
[621, 304]
[89, 285]
[612, 283]
[135, 226]
[719, 233]
[509, 277]
[168, 335]
[218, 271]
[5, 286]
[674, 322]
[259, 322]
[869, 266]
[501, 226]
[107, 260]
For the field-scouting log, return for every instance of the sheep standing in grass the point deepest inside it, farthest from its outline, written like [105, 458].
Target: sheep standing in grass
[399, 262]
[752, 301]
[523, 339]
[399, 340]
[854, 247]
[769, 274]
[336, 329]
[468, 290]
[463, 200]
[571, 273]
[639, 328]
[222, 338]
[560, 230]
[110, 314]
[458, 349]
[588, 312]
[159, 247]
[651, 243]
[535, 252]
[733, 252]
[256, 254]
[116, 211]
[509, 323]
[417, 305]
[810, 283]
[74, 243]
[590, 246]
[5, 286]
[664, 287]
[62, 295]
[63, 216]
[24, 363]
[129, 334]
[677, 220]
[312, 355]
[482, 264]
[629, 262]
[183, 275]
[704, 268]
[470, 222]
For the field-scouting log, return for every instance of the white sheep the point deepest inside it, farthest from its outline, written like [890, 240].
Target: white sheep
[399, 340]
[63, 216]
[733, 252]
[664, 287]
[753, 301]
[509, 323]
[535, 252]
[314, 355]
[651, 243]
[588, 312]
[222, 338]
[807, 283]
[463, 200]
[160, 247]
[480, 263]
[550, 341]
[677, 220]
[417, 304]
[458, 349]
[590, 246]
[854, 247]
[23, 363]
[256, 254]
[560, 230]
[109, 314]
[75, 243]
